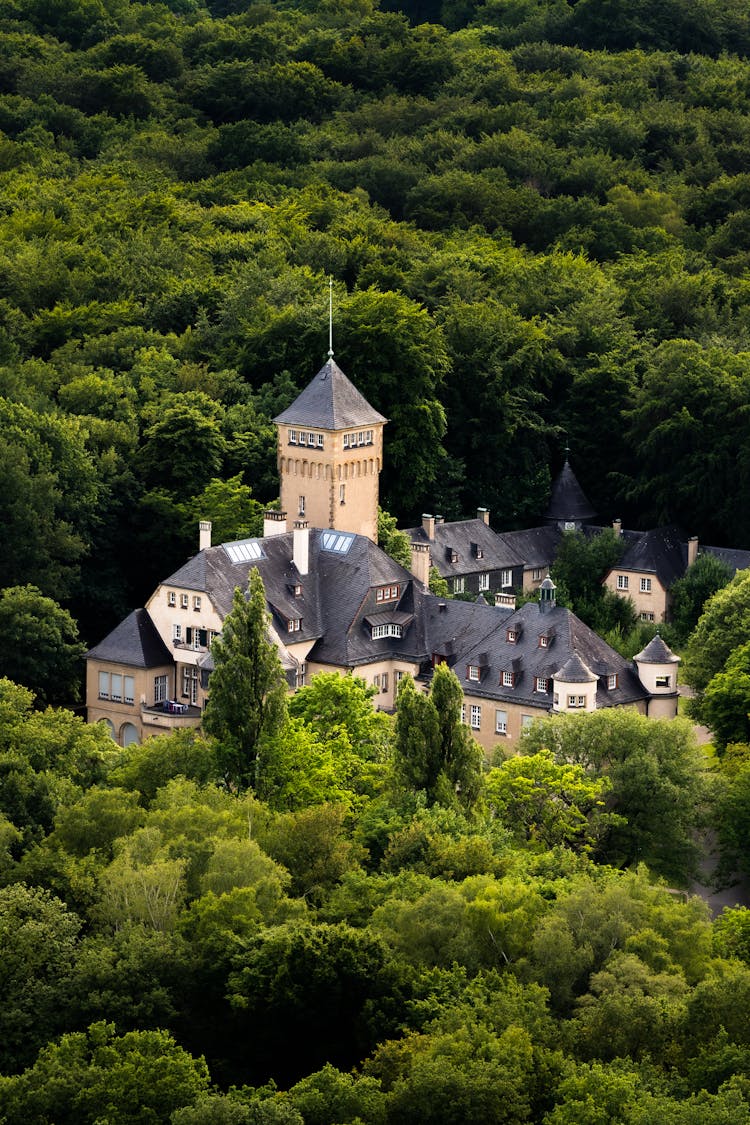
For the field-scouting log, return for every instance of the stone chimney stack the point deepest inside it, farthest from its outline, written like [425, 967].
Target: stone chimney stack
[617, 526]
[692, 546]
[204, 535]
[301, 547]
[483, 514]
[428, 525]
[274, 523]
[420, 563]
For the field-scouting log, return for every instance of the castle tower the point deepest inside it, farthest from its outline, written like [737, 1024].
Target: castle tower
[330, 455]
[568, 506]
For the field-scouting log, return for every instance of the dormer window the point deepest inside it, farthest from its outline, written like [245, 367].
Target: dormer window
[541, 684]
[387, 593]
[294, 624]
[612, 681]
[298, 590]
[544, 641]
[511, 636]
[453, 556]
[473, 673]
[389, 630]
[508, 679]
[477, 551]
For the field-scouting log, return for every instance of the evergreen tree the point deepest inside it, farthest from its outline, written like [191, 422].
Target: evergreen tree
[247, 701]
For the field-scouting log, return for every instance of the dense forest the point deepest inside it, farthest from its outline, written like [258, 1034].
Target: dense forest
[535, 215]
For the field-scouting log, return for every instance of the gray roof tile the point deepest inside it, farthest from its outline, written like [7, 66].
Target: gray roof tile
[135, 642]
[330, 402]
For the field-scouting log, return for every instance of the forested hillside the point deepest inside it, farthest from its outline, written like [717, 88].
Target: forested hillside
[535, 216]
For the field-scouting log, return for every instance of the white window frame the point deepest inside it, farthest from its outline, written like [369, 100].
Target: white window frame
[171, 599]
[292, 437]
[501, 722]
[611, 681]
[389, 630]
[473, 673]
[463, 713]
[622, 582]
[541, 684]
[476, 716]
[294, 624]
[459, 585]
[128, 689]
[161, 688]
[184, 601]
[576, 701]
[543, 640]
[506, 578]
[196, 603]
[104, 685]
[511, 636]
[507, 679]
[177, 632]
[484, 580]
[645, 585]
[646, 615]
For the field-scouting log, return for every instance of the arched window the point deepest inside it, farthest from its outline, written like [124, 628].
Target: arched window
[128, 735]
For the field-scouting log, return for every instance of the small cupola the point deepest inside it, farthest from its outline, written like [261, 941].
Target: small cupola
[547, 591]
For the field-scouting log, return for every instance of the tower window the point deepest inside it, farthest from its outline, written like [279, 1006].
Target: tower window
[342, 494]
[292, 437]
[302, 505]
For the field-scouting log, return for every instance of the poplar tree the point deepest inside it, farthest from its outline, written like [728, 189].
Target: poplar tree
[247, 689]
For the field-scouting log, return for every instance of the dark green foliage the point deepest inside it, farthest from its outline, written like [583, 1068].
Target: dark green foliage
[41, 649]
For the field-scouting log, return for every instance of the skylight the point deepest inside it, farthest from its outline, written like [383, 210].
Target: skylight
[335, 541]
[245, 550]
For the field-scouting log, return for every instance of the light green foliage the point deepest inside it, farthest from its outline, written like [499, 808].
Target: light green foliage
[230, 506]
[689, 594]
[313, 846]
[146, 767]
[247, 700]
[725, 704]
[394, 542]
[330, 1095]
[732, 933]
[656, 774]
[545, 803]
[731, 813]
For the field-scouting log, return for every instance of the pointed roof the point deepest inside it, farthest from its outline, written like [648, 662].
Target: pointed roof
[574, 671]
[330, 402]
[657, 652]
[134, 641]
[568, 500]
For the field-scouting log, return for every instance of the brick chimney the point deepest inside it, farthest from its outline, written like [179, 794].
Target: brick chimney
[204, 535]
[692, 546]
[483, 514]
[428, 525]
[301, 546]
[274, 523]
[420, 563]
[617, 526]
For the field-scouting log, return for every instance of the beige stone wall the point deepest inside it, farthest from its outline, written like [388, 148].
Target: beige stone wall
[166, 616]
[516, 717]
[120, 713]
[654, 601]
[533, 578]
[340, 485]
[373, 675]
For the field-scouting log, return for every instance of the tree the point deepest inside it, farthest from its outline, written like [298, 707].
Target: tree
[579, 567]
[705, 577]
[41, 649]
[394, 542]
[725, 704]
[247, 700]
[722, 627]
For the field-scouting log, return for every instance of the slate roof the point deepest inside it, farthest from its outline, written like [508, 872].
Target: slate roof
[330, 402]
[732, 557]
[464, 537]
[567, 639]
[134, 642]
[574, 671]
[657, 652]
[661, 551]
[537, 546]
[568, 501]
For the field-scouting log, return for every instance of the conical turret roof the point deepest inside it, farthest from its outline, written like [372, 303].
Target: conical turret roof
[657, 652]
[574, 671]
[568, 501]
[330, 402]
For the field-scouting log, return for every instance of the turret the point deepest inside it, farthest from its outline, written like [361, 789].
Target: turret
[574, 687]
[657, 666]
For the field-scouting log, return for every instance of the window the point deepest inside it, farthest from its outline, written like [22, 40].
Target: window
[177, 633]
[389, 630]
[622, 581]
[556, 699]
[576, 701]
[376, 681]
[478, 552]
[184, 601]
[129, 685]
[511, 636]
[298, 590]
[526, 721]
[612, 681]
[387, 593]
[160, 689]
[646, 616]
[116, 693]
[342, 494]
[454, 556]
[292, 437]
[506, 577]
[544, 641]
[463, 713]
[196, 603]
[645, 585]
[507, 679]
[501, 722]
[398, 677]
[484, 581]
[476, 716]
[459, 585]
[311, 439]
[541, 684]
[171, 598]
[537, 574]
[384, 682]
[104, 685]
[302, 505]
[190, 684]
[320, 441]
[294, 624]
[663, 681]
[473, 673]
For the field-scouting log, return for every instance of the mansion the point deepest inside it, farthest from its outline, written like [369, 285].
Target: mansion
[337, 602]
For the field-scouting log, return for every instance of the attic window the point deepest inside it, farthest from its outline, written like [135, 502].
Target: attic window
[541, 684]
[387, 593]
[294, 624]
[473, 673]
[612, 681]
[477, 551]
[511, 636]
[171, 598]
[508, 679]
[454, 555]
[298, 590]
[390, 630]
[544, 640]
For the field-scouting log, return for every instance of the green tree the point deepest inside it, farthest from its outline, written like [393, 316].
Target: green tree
[725, 704]
[691, 592]
[247, 700]
[42, 649]
[722, 627]
[230, 506]
[395, 543]
[579, 567]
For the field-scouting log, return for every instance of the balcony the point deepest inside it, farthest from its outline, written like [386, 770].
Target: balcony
[171, 716]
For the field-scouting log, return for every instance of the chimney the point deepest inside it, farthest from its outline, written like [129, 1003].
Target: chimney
[692, 546]
[617, 526]
[420, 563]
[439, 520]
[483, 514]
[301, 547]
[274, 523]
[204, 535]
[428, 526]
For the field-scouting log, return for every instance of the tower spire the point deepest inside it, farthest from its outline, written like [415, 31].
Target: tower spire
[330, 318]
